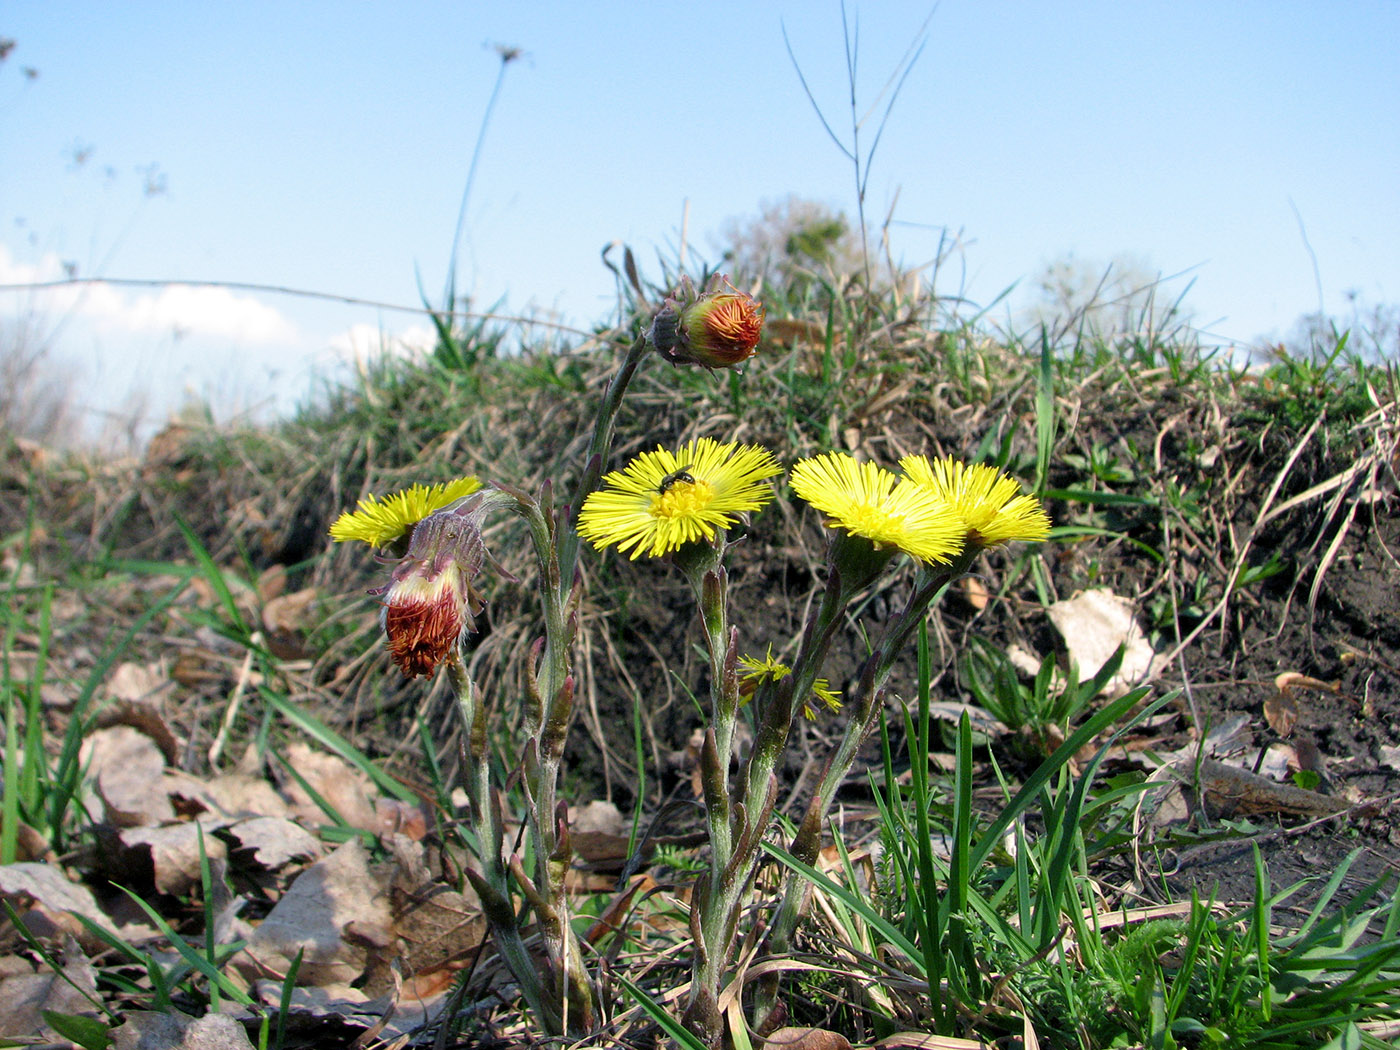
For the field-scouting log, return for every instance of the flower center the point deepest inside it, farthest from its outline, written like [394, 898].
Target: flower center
[866, 519]
[682, 499]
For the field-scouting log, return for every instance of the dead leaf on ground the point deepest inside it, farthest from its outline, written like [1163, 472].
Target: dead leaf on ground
[292, 613]
[920, 1041]
[123, 763]
[1281, 713]
[975, 592]
[272, 582]
[1290, 680]
[273, 842]
[132, 681]
[807, 1039]
[1094, 624]
[151, 1030]
[172, 852]
[1230, 791]
[434, 929]
[145, 717]
[341, 785]
[314, 917]
[25, 997]
[43, 897]
[244, 795]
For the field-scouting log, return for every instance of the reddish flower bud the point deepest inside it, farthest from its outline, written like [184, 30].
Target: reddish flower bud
[429, 601]
[719, 328]
[425, 616]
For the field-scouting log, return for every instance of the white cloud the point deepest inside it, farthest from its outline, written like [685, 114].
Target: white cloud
[179, 309]
[361, 342]
[197, 311]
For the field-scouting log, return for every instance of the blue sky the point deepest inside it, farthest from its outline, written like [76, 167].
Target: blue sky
[325, 146]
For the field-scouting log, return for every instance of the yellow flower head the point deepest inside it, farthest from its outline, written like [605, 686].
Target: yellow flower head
[865, 500]
[757, 671]
[663, 500]
[990, 504]
[380, 522]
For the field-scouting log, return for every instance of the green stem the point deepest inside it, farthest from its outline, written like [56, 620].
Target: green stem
[492, 883]
[549, 709]
[875, 673]
[598, 450]
[735, 836]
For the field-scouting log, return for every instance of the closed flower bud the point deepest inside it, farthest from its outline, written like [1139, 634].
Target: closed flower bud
[718, 328]
[429, 601]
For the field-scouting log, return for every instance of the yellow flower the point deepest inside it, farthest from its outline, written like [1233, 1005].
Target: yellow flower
[380, 522]
[865, 500]
[663, 500]
[758, 671]
[718, 328]
[990, 504]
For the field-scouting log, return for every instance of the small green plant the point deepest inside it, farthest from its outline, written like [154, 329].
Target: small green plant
[1046, 708]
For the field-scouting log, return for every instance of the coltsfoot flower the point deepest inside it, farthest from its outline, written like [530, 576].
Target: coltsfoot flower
[380, 522]
[990, 505]
[863, 499]
[663, 500]
[757, 671]
[430, 599]
[718, 328]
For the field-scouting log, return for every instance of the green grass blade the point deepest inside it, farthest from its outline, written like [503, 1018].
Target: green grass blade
[333, 741]
[855, 903]
[657, 1013]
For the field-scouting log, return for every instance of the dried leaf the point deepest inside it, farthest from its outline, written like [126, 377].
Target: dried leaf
[1290, 680]
[242, 795]
[145, 717]
[1094, 624]
[272, 583]
[44, 898]
[172, 853]
[975, 591]
[808, 1039]
[314, 917]
[25, 997]
[131, 681]
[1281, 713]
[148, 1030]
[1230, 791]
[344, 787]
[434, 926]
[920, 1041]
[273, 842]
[123, 763]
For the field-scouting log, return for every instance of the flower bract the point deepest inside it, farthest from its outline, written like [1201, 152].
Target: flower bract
[663, 500]
[989, 503]
[430, 598]
[379, 522]
[863, 499]
[718, 328]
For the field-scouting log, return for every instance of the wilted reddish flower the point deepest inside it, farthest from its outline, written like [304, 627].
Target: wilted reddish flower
[429, 601]
[718, 328]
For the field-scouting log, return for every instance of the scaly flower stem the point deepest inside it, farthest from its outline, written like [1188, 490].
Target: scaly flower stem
[492, 883]
[598, 450]
[736, 833]
[549, 708]
[875, 674]
[708, 919]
